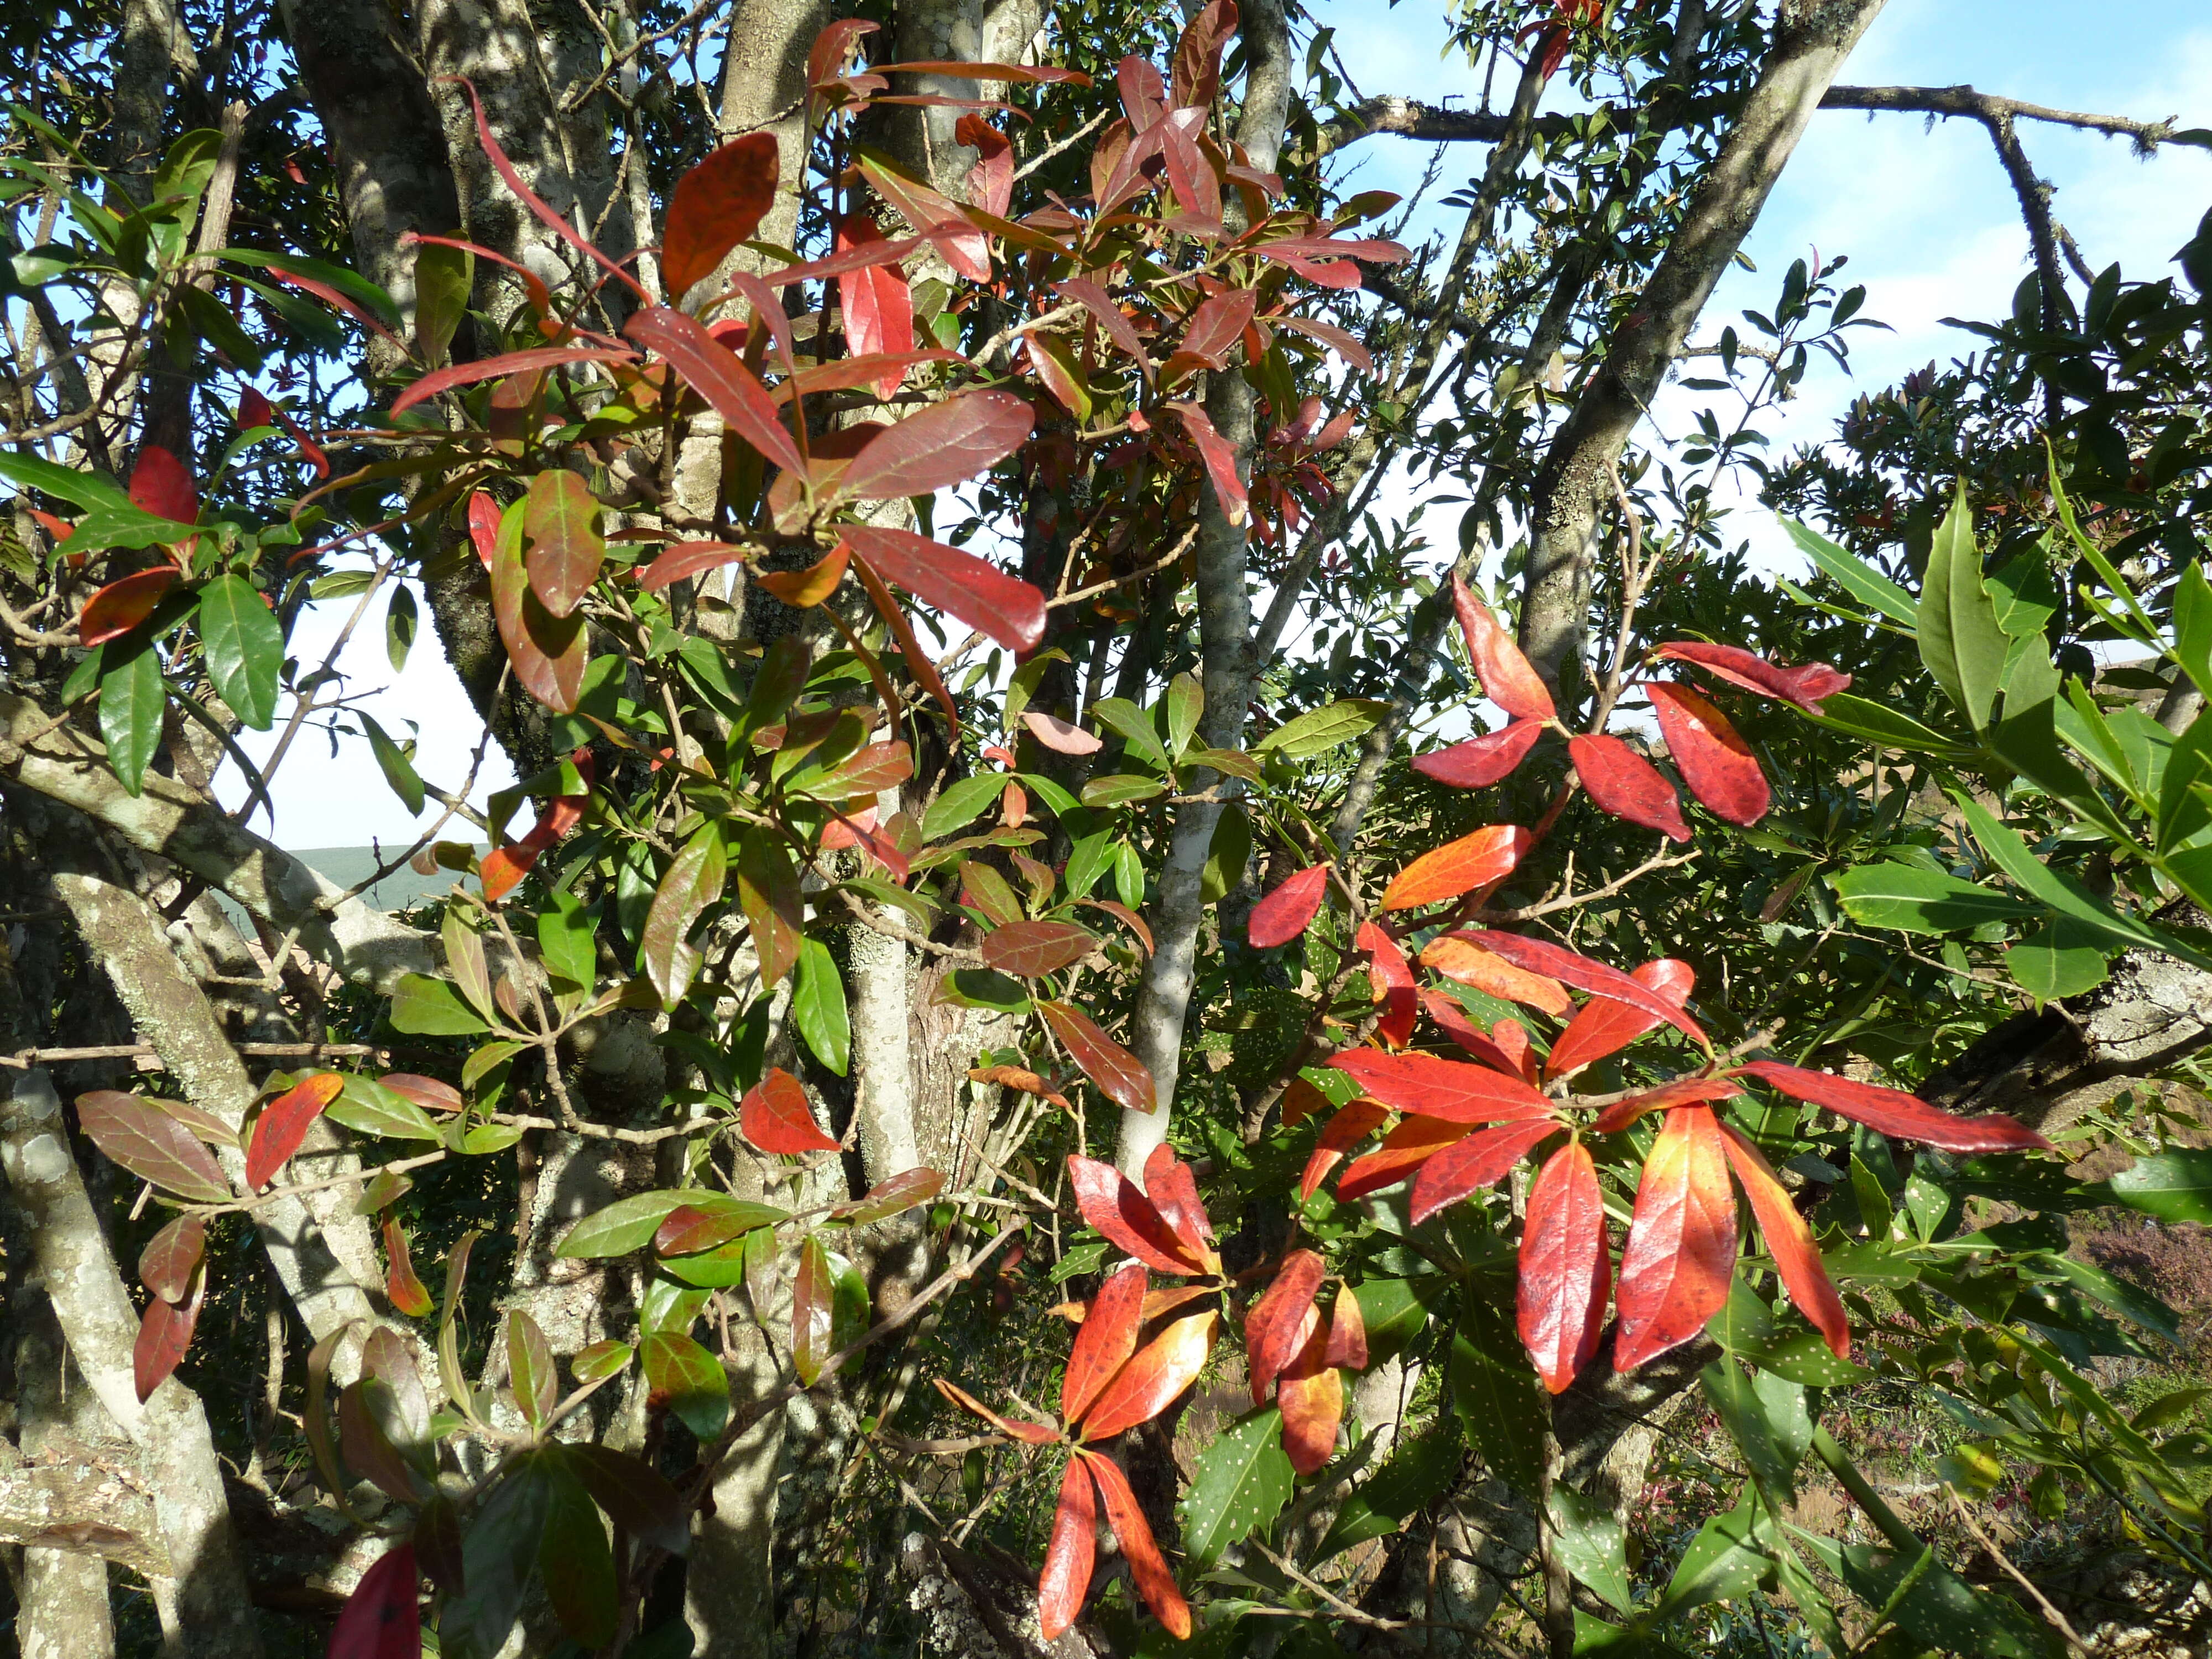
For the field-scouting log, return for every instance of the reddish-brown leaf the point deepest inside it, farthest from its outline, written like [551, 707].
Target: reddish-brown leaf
[1684, 1091]
[546, 215]
[1146, 1565]
[991, 180]
[1623, 783]
[382, 1618]
[151, 1145]
[717, 375]
[775, 1117]
[1714, 761]
[919, 661]
[1477, 860]
[1128, 1219]
[1352, 1124]
[1073, 1552]
[1481, 1160]
[813, 1310]
[562, 523]
[1197, 65]
[685, 559]
[1681, 1242]
[1457, 956]
[1893, 1112]
[283, 1123]
[960, 585]
[1218, 323]
[827, 57]
[1804, 685]
[717, 205]
[878, 305]
[1110, 317]
[1404, 1150]
[1103, 1341]
[401, 1286]
[1033, 1434]
[1346, 346]
[492, 368]
[1219, 457]
[1311, 1395]
[548, 652]
[162, 484]
[120, 606]
[165, 1266]
[1276, 1326]
[854, 258]
[1446, 1089]
[1173, 1188]
[947, 444]
[1154, 1376]
[1348, 1333]
[1789, 1241]
[1508, 680]
[1566, 1268]
[1604, 1026]
[1579, 971]
[484, 515]
[1287, 912]
[1057, 735]
[937, 217]
[1030, 949]
[1480, 761]
[165, 1331]
[1120, 1075]
[428, 1093]
[1445, 1009]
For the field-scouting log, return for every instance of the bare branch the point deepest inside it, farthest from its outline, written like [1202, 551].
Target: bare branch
[1987, 106]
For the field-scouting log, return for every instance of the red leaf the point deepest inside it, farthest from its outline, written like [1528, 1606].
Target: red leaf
[1146, 1565]
[401, 1286]
[513, 362]
[1288, 911]
[1804, 685]
[565, 548]
[1893, 1112]
[162, 484]
[1508, 680]
[991, 180]
[717, 205]
[719, 378]
[1684, 1091]
[1539, 958]
[330, 297]
[254, 410]
[1386, 962]
[503, 868]
[1487, 856]
[1219, 456]
[1714, 761]
[1276, 1326]
[918, 662]
[1623, 783]
[382, 1619]
[428, 1093]
[1480, 1160]
[1789, 1241]
[1352, 1124]
[1032, 1434]
[1173, 1189]
[1154, 1376]
[1446, 1089]
[1682, 1243]
[1103, 1341]
[965, 248]
[1605, 1026]
[1008, 610]
[120, 606]
[947, 444]
[1451, 1019]
[1513, 1042]
[1197, 65]
[1566, 1268]
[1128, 1220]
[854, 258]
[1120, 1075]
[1480, 761]
[1110, 317]
[1218, 323]
[1311, 1396]
[686, 559]
[283, 1123]
[773, 1116]
[836, 44]
[1458, 957]
[165, 1266]
[1073, 1552]
[484, 514]
[1030, 949]
[165, 1331]
[877, 305]
[1057, 735]
[548, 652]
[1348, 1333]
[1405, 1149]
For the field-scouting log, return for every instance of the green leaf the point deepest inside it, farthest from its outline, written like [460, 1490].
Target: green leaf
[1225, 857]
[213, 322]
[366, 1107]
[1417, 1473]
[576, 1560]
[1853, 575]
[567, 933]
[498, 1551]
[2192, 625]
[107, 517]
[399, 625]
[818, 1006]
[1941, 1608]
[1875, 723]
[2063, 958]
[1593, 1545]
[688, 1381]
[627, 1224]
[1768, 1418]
[1186, 701]
[961, 804]
[2171, 1186]
[2183, 808]
[1917, 900]
[1394, 1310]
[1960, 640]
[1240, 1484]
[1120, 790]
[423, 1006]
[131, 700]
[391, 759]
[1136, 730]
[443, 277]
[2023, 594]
[1501, 1403]
[1723, 1563]
[2064, 894]
[1320, 729]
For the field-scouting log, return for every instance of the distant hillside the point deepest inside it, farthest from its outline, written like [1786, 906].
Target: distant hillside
[397, 891]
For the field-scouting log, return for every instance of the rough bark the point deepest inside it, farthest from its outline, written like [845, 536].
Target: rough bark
[1811, 43]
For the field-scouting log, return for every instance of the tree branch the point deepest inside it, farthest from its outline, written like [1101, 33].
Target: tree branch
[1987, 106]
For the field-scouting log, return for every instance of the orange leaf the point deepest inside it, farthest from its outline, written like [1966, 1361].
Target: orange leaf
[1074, 1551]
[1287, 912]
[1015, 1077]
[403, 1287]
[1480, 1160]
[120, 606]
[1480, 761]
[1311, 1396]
[1682, 1243]
[503, 868]
[283, 1123]
[717, 205]
[1566, 1268]
[1448, 1089]
[1789, 1241]
[1683, 1091]
[775, 1117]
[1119, 1209]
[1605, 1026]
[1508, 680]
[1404, 1150]
[1386, 962]
[1477, 860]
[1173, 1189]
[1348, 1333]
[1275, 1327]
[694, 558]
[1579, 971]
[1301, 1100]
[1146, 1565]
[1623, 783]
[1104, 1342]
[1155, 1375]
[1457, 956]
[1714, 761]
[802, 589]
[1352, 1125]
[1893, 1112]
[1035, 1434]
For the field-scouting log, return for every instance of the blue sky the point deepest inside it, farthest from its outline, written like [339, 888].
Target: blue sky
[1926, 217]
